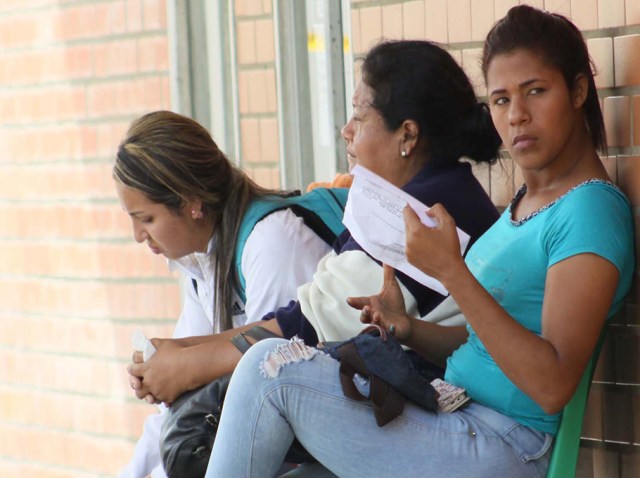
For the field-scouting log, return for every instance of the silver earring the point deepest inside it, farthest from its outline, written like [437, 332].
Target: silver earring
[403, 153]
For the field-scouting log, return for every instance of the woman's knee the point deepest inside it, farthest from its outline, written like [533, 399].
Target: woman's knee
[255, 355]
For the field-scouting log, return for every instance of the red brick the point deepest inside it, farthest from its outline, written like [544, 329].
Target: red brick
[629, 178]
[165, 93]
[108, 136]
[18, 30]
[617, 120]
[269, 140]
[154, 14]
[248, 7]
[413, 20]
[436, 20]
[265, 41]
[250, 139]
[91, 298]
[85, 337]
[90, 20]
[124, 97]
[266, 177]
[370, 27]
[64, 221]
[133, 12]
[115, 57]
[81, 260]
[459, 20]
[246, 41]
[257, 86]
[9, 5]
[44, 104]
[87, 452]
[392, 21]
[153, 54]
[29, 67]
[85, 414]
[46, 143]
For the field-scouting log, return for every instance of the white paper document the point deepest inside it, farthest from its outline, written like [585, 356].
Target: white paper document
[373, 215]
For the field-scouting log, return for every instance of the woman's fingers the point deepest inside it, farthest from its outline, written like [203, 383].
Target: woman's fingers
[358, 302]
[440, 215]
[136, 369]
[411, 220]
[135, 382]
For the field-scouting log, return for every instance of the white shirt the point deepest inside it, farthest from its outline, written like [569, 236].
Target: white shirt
[280, 254]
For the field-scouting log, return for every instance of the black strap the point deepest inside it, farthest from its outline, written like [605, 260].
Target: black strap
[314, 222]
[258, 333]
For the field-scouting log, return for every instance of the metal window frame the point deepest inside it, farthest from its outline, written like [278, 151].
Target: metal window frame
[203, 68]
[297, 162]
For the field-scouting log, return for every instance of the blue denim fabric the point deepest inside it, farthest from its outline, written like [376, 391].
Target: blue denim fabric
[262, 415]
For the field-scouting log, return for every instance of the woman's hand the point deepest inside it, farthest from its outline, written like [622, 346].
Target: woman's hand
[433, 250]
[162, 378]
[387, 309]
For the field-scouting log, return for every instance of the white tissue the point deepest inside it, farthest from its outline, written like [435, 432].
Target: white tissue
[142, 344]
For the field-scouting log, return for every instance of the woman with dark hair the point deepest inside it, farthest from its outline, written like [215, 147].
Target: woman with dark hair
[536, 289]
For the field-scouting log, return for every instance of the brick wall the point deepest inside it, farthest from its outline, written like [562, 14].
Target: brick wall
[612, 29]
[259, 133]
[73, 285]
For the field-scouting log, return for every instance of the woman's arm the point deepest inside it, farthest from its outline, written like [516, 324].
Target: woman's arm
[579, 291]
[280, 254]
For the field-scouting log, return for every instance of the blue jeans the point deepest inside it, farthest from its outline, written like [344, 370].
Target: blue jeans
[262, 414]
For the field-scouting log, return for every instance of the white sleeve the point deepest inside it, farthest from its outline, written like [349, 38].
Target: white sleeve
[324, 301]
[280, 254]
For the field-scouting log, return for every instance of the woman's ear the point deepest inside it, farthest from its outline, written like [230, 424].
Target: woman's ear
[580, 90]
[194, 209]
[410, 132]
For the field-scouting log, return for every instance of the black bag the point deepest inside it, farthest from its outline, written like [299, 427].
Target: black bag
[392, 375]
[191, 422]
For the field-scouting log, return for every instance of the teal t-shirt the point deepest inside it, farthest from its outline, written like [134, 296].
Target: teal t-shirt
[511, 261]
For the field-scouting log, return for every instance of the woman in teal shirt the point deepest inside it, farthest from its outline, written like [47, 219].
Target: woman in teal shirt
[536, 290]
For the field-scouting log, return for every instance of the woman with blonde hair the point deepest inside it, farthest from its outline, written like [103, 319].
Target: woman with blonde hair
[186, 201]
